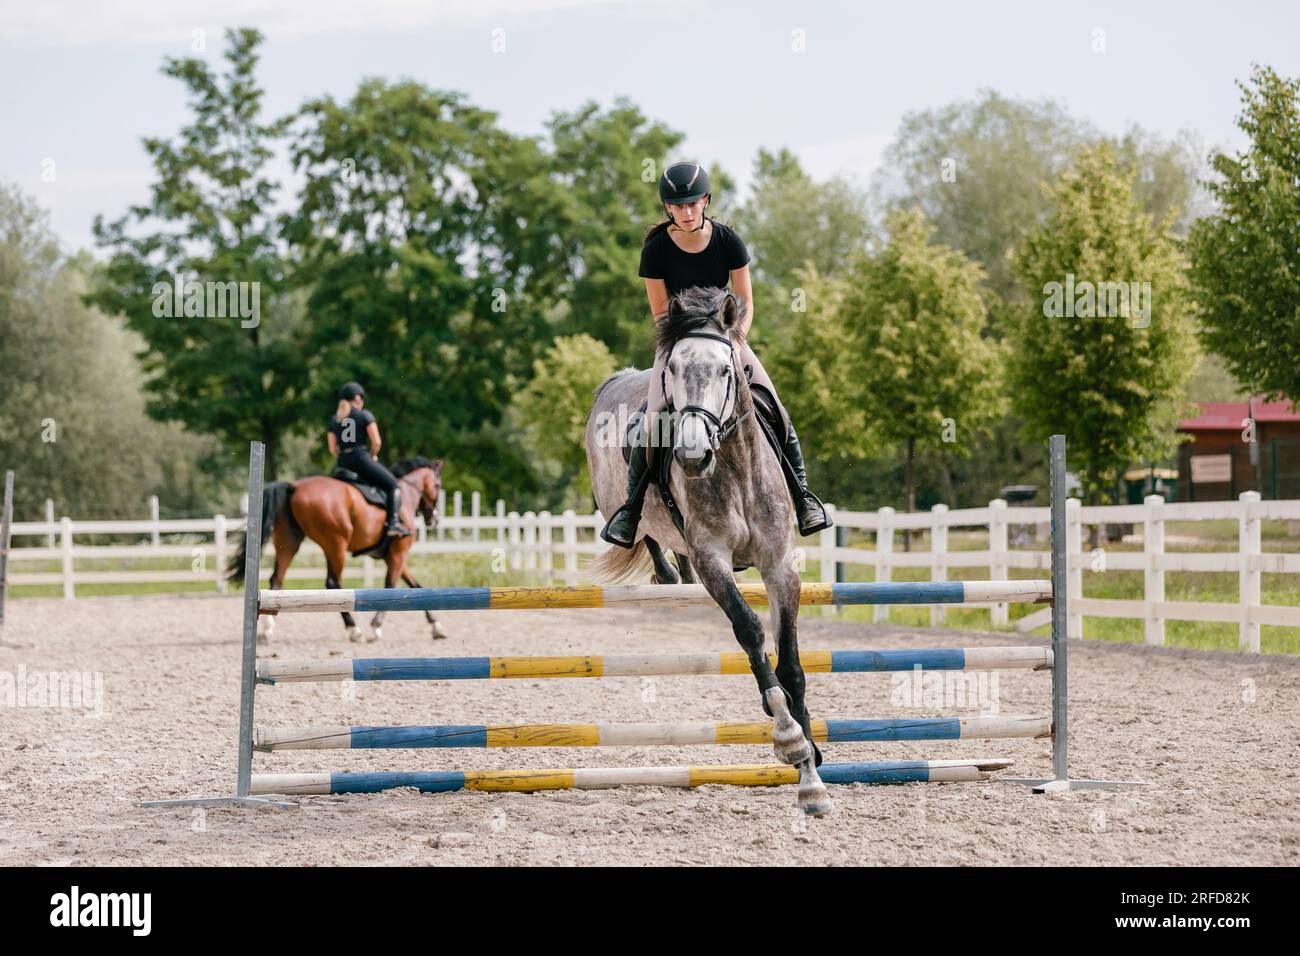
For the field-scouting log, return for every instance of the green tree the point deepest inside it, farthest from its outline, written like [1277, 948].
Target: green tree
[1105, 349]
[1245, 267]
[975, 168]
[427, 239]
[209, 219]
[903, 358]
[76, 429]
[606, 169]
[790, 222]
[552, 412]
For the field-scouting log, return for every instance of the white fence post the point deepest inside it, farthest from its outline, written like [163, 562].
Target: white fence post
[455, 513]
[219, 552]
[826, 558]
[1074, 570]
[243, 504]
[442, 513]
[49, 521]
[367, 572]
[938, 558]
[998, 560]
[1153, 547]
[530, 541]
[65, 530]
[516, 556]
[153, 519]
[570, 547]
[475, 504]
[884, 548]
[545, 545]
[1249, 547]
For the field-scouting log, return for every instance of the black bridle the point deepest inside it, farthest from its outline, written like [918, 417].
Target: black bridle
[714, 427]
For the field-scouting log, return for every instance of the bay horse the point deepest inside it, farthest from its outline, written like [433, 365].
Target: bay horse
[334, 514]
[730, 488]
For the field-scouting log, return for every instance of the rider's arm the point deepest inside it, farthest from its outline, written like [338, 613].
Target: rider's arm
[372, 432]
[741, 285]
[656, 291]
[333, 443]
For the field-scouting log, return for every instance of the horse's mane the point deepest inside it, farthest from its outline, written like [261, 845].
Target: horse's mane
[695, 309]
[408, 465]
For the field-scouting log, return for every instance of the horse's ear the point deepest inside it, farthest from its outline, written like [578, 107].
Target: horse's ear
[437, 467]
[731, 312]
[675, 305]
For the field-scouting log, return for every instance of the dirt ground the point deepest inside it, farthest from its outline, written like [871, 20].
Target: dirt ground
[1218, 735]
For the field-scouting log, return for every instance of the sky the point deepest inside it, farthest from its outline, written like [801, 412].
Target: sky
[80, 82]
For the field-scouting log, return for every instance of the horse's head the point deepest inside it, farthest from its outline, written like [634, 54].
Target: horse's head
[702, 376]
[425, 475]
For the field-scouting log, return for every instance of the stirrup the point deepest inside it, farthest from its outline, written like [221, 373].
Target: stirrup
[820, 515]
[395, 529]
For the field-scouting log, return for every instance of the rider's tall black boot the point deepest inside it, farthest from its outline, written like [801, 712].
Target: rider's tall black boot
[393, 527]
[807, 506]
[621, 527]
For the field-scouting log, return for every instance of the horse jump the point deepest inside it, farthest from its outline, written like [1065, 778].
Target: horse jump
[249, 788]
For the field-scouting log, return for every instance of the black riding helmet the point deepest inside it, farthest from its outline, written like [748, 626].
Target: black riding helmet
[350, 391]
[684, 183]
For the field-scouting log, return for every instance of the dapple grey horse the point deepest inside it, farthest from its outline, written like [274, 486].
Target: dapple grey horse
[729, 486]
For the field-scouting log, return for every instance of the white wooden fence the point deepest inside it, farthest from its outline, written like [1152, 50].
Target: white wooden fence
[550, 546]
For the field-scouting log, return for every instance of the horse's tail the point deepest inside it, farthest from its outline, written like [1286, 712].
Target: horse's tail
[275, 502]
[622, 564]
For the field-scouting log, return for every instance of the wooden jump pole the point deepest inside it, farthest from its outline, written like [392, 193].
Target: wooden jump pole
[646, 665]
[529, 781]
[685, 734]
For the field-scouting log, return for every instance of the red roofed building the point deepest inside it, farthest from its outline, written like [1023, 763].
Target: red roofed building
[1220, 462]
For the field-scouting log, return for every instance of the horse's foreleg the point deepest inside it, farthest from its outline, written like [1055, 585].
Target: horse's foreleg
[439, 632]
[783, 593]
[788, 739]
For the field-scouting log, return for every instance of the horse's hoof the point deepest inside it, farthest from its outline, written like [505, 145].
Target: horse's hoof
[794, 753]
[814, 801]
[354, 635]
[789, 743]
[438, 633]
[376, 634]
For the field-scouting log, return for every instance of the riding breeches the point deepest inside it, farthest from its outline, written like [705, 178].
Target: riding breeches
[370, 471]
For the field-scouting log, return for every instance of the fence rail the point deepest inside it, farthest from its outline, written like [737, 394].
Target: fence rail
[549, 547]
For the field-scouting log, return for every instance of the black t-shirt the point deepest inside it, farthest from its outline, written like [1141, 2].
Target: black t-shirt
[356, 429]
[662, 259]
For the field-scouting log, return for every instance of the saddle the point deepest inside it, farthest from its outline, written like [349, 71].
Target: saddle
[375, 497]
[768, 412]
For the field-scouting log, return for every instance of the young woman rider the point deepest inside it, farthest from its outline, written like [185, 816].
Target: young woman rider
[349, 430]
[689, 249]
